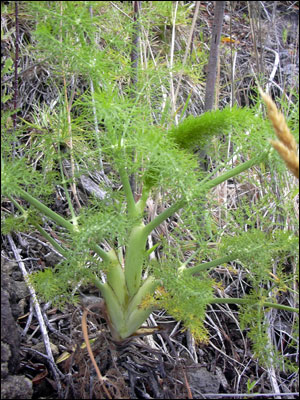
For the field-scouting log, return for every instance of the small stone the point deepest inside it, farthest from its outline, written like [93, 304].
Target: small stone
[202, 381]
[41, 348]
[16, 387]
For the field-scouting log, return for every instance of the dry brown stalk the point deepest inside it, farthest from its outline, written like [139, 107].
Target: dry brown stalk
[286, 146]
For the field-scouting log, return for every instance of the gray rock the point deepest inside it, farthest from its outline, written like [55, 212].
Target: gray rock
[21, 290]
[9, 333]
[12, 386]
[16, 387]
[202, 381]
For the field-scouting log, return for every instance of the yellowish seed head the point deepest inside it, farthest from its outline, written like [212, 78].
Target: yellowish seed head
[286, 145]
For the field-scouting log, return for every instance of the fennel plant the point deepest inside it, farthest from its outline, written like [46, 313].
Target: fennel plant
[105, 242]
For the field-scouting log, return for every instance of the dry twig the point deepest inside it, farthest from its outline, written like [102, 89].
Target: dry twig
[88, 346]
[38, 312]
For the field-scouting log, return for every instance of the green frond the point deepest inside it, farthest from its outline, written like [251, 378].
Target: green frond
[50, 286]
[257, 250]
[17, 173]
[99, 225]
[185, 297]
[20, 223]
[167, 166]
[253, 319]
[58, 285]
[197, 131]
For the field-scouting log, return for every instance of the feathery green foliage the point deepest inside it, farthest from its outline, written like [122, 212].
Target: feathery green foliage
[184, 297]
[198, 131]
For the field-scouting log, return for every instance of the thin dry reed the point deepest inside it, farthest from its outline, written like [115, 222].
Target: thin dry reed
[286, 146]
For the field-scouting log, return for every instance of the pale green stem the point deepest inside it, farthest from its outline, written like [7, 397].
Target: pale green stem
[136, 319]
[250, 301]
[147, 288]
[61, 221]
[149, 251]
[52, 241]
[141, 204]
[163, 216]
[19, 207]
[122, 324]
[125, 321]
[115, 311]
[116, 278]
[71, 208]
[183, 266]
[235, 171]
[207, 265]
[128, 192]
[102, 253]
[214, 182]
[46, 211]
[40, 229]
[135, 255]
[136, 314]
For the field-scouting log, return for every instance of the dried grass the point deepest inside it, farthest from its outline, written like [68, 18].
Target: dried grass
[286, 146]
